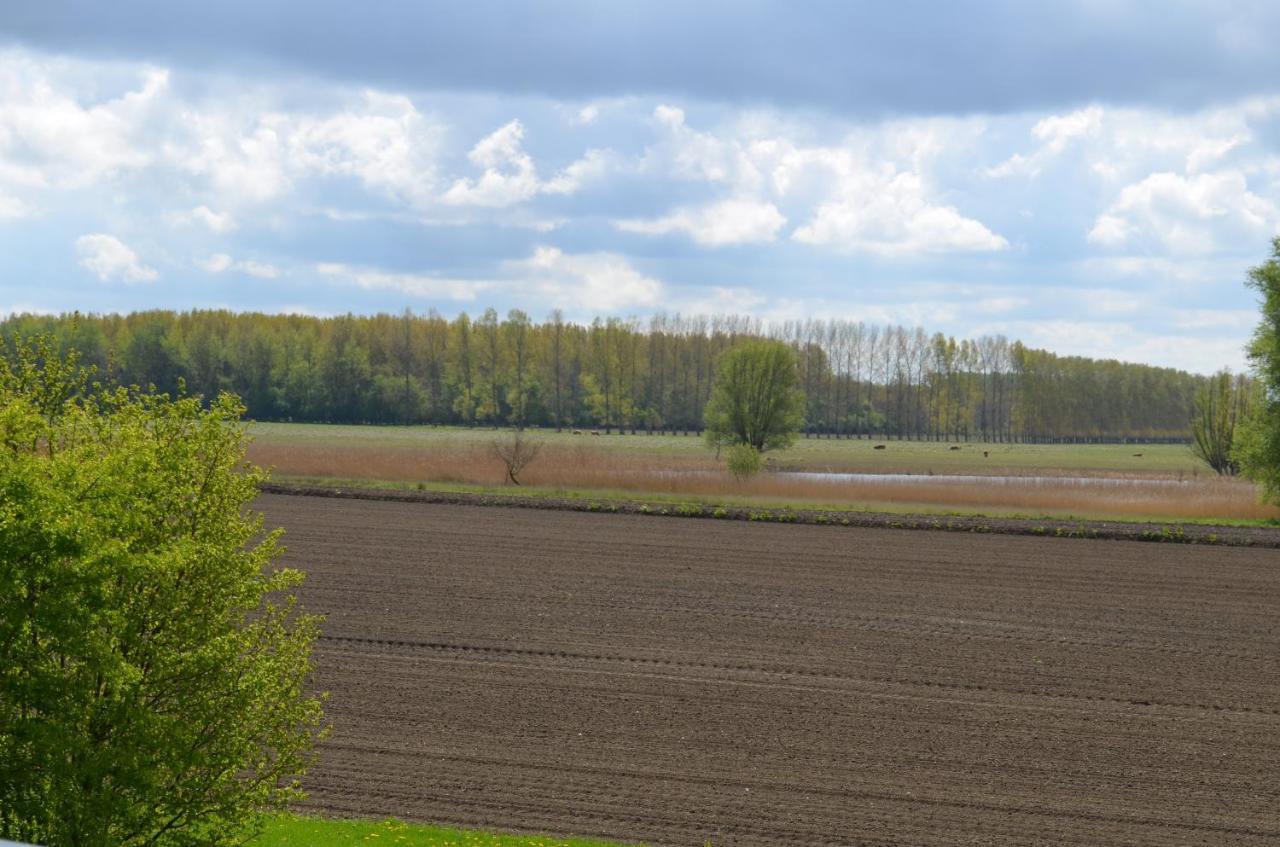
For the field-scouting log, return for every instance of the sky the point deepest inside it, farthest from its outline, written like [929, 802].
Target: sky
[1094, 178]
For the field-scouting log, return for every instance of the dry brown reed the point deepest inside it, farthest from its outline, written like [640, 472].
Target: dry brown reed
[580, 467]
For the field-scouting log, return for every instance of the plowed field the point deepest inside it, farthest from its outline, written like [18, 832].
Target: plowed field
[683, 681]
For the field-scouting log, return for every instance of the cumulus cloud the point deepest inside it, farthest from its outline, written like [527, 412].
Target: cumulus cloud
[869, 194]
[510, 176]
[719, 224]
[387, 144]
[49, 138]
[1185, 214]
[109, 258]
[892, 214]
[601, 282]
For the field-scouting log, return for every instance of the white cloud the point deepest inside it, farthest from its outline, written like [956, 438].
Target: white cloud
[868, 194]
[219, 222]
[591, 167]
[221, 263]
[1186, 214]
[49, 139]
[701, 156]
[891, 214]
[417, 285]
[1055, 133]
[716, 225]
[387, 144]
[110, 258]
[601, 282]
[510, 175]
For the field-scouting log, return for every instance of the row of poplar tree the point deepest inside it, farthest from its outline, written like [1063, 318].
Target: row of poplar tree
[859, 380]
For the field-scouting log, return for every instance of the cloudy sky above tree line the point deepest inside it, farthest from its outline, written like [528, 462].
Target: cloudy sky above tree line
[1092, 177]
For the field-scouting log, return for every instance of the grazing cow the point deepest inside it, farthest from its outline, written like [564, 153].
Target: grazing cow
[577, 432]
[1137, 455]
[879, 447]
[986, 453]
[595, 432]
[954, 447]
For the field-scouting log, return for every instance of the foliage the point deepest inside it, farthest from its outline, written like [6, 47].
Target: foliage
[516, 452]
[153, 688]
[756, 398]
[1258, 450]
[1221, 404]
[743, 461]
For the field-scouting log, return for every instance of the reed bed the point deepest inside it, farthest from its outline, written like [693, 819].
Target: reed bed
[581, 467]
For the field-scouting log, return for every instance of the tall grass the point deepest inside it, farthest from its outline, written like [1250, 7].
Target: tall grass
[584, 467]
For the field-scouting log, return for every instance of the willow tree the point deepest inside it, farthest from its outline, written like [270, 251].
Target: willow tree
[756, 398]
[1222, 404]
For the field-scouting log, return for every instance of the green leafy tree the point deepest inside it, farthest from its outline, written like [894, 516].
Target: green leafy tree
[756, 398]
[1258, 448]
[154, 687]
[1221, 404]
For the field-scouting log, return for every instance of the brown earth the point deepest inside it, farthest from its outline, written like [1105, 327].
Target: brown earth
[679, 682]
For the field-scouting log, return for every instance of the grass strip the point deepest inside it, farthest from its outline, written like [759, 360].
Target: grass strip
[1244, 534]
[300, 831]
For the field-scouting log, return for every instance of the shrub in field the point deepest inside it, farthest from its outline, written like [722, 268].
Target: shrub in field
[516, 452]
[153, 689]
[743, 461]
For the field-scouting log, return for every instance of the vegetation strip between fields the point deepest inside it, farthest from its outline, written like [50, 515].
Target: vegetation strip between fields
[309, 831]
[1232, 536]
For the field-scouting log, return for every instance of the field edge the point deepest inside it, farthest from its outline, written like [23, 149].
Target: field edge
[1148, 531]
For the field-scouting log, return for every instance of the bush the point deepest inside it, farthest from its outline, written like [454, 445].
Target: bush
[155, 674]
[743, 461]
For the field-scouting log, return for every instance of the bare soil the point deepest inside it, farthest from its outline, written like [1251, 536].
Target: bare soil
[678, 682]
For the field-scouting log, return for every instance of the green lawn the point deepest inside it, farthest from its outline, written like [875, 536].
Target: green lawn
[291, 831]
[806, 453]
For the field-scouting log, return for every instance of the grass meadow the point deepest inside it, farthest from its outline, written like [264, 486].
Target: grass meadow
[1162, 482]
[292, 831]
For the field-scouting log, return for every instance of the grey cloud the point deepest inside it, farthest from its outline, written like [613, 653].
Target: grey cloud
[913, 56]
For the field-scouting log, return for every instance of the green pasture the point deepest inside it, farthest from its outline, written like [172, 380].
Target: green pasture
[805, 454]
[292, 831]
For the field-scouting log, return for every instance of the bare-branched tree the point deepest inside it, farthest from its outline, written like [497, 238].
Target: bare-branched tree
[517, 452]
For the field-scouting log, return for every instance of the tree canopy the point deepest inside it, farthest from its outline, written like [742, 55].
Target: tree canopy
[1258, 449]
[756, 398]
[859, 380]
[154, 688]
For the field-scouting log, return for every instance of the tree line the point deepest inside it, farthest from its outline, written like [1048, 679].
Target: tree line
[859, 380]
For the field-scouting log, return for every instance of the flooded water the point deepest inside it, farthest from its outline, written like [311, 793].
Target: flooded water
[836, 478]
